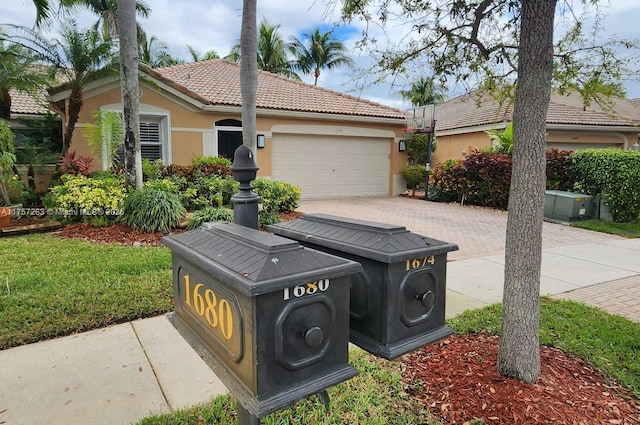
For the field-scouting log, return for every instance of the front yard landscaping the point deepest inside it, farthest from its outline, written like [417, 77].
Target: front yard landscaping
[53, 286]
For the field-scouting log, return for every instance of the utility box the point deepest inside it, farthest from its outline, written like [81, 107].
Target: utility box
[267, 314]
[398, 300]
[567, 206]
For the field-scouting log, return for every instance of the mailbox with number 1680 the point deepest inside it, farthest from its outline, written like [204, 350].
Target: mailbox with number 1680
[266, 314]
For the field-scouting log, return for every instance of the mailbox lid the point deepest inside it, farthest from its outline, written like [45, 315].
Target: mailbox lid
[254, 262]
[382, 242]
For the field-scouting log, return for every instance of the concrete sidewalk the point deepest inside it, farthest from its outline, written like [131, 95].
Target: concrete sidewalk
[121, 374]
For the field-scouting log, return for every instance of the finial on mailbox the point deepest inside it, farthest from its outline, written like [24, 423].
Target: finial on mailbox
[245, 202]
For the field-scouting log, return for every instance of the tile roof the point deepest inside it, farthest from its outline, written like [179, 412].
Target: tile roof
[217, 81]
[472, 109]
[29, 104]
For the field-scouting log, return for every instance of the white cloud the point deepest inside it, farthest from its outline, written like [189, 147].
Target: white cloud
[215, 24]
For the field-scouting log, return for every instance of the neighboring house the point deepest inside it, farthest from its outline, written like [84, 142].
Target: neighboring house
[461, 124]
[328, 143]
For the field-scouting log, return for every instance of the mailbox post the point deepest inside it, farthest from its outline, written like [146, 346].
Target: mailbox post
[398, 301]
[265, 313]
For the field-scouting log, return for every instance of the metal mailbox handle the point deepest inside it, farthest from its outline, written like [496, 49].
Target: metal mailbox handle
[313, 337]
[427, 299]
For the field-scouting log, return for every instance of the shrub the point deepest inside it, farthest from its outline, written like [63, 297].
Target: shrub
[267, 218]
[151, 209]
[151, 169]
[613, 173]
[207, 160]
[167, 185]
[480, 179]
[414, 175]
[69, 164]
[209, 214]
[80, 198]
[502, 141]
[277, 196]
[560, 173]
[417, 146]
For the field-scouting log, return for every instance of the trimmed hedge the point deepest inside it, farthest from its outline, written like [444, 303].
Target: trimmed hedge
[277, 196]
[613, 173]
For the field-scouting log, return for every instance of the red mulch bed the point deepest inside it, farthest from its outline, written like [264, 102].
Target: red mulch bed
[116, 233]
[458, 381]
[124, 235]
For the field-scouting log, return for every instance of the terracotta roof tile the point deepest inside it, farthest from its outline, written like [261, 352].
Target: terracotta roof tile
[218, 81]
[471, 110]
[30, 104]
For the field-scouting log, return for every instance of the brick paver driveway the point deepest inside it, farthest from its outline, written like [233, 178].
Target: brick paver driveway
[477, 231]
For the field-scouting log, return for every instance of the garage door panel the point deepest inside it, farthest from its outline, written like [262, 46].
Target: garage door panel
[332, 166]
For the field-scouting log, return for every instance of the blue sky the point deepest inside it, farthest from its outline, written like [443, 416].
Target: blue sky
[215, 24]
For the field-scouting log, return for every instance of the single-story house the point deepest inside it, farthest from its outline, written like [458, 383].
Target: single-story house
[328, 143]
[462, 121]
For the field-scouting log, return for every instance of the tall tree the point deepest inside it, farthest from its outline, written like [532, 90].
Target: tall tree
[107, 11]
[499, 43]
[322, 51]
[79, 57]
[271, 52]
[130, 89]
[424, 91]
[155, 53]
[249, 73]
[197, 57]
[18, 71]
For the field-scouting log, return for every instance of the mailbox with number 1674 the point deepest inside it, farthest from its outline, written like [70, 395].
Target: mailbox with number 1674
[398, 301]
[264, 312]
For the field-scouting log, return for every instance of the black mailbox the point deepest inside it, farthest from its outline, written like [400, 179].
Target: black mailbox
[264, 312]
[398, 301]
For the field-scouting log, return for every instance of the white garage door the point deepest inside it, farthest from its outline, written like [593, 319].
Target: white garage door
[328, 166]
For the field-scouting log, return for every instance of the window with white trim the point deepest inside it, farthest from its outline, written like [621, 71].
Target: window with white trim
[152, 145]
[150, 141]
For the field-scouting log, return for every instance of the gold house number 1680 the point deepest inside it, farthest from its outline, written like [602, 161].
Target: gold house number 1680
[217, 312]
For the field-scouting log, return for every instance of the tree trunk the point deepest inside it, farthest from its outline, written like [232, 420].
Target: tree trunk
[249, 72]
[519, 352]
[130, 89]
[5, 104]
[75, 106]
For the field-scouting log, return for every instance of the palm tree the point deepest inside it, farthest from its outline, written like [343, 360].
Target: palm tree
[107, 11]
[18, 71]
[424, 91]
[249, 73]
[80, 57]
[324, 51]
[272, 52]
[196, 57]
[130, 89]
[154, 53]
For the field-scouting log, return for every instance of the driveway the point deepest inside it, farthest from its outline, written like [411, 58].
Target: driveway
[479, 232]
[595, 268]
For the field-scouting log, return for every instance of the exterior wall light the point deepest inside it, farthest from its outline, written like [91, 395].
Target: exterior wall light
[402, 145]
[260, 141]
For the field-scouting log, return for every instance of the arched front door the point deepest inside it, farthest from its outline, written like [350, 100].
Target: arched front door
[229, 137]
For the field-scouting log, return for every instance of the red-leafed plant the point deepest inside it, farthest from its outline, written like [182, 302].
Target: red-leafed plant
[560, 172]
[69, 164]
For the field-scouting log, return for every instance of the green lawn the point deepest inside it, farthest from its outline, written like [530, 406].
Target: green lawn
[628, 230]
[51, 286]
